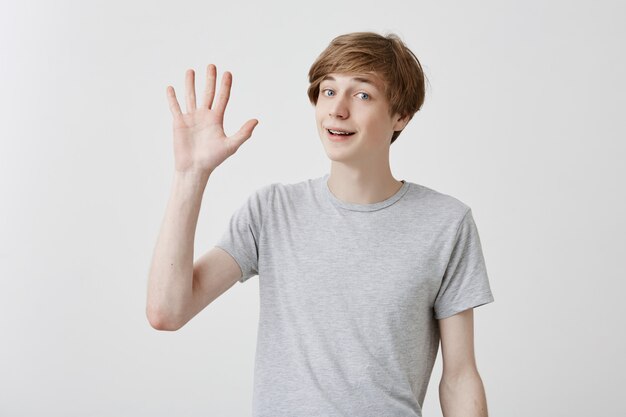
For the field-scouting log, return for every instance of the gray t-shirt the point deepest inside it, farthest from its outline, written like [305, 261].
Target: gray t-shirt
[350, 295]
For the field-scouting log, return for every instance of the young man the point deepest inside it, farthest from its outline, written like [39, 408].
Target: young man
[360, 275]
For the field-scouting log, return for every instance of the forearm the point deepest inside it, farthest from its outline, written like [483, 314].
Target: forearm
[463, 395]
[170, 281]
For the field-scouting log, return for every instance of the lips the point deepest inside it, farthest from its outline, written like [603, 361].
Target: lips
[338, 132]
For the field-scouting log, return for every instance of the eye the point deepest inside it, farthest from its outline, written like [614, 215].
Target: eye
[327, 90]
[365, 96]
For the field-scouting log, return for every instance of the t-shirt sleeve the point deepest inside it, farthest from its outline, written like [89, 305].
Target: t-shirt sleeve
[465, 283]
[243, 233]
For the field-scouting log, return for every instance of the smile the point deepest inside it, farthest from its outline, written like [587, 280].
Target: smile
[338, 135]
[339, 132]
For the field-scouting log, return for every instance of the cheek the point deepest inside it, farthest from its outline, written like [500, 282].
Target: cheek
[319, 118]
[380, 129]
[375, 123]
[319, 111]
[318, 122]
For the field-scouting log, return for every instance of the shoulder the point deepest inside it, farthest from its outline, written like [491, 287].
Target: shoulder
[260, 196]
[435, 203]
[292, 192]
[274, 198]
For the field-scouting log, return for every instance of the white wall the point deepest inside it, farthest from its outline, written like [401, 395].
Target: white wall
[522, 121]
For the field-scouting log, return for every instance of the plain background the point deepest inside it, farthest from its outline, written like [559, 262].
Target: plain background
[523, 121]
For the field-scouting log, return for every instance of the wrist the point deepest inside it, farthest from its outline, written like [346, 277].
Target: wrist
[192, 175]
[190, 181]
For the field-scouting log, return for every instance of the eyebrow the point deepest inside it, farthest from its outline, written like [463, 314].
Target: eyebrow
[358, 79]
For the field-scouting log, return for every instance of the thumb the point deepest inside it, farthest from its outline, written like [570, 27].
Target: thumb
[244, 133]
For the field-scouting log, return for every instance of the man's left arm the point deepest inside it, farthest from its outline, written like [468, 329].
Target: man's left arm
[461, 391]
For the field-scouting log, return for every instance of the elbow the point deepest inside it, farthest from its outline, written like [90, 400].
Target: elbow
[460, 376]
[453, 385]
[160, 320]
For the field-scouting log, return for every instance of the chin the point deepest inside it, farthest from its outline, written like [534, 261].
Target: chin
[338, 155]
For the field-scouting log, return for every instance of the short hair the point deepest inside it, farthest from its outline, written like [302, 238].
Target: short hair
[386, 56]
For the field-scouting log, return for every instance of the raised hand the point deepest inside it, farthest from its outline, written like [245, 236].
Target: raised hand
[200, 143]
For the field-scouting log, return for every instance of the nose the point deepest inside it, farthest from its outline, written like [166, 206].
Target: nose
[338, 108]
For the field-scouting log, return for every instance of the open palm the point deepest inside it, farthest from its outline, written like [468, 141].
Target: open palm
[200, 143]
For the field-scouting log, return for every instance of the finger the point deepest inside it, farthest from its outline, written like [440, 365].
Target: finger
[243, 134]
[224, 95]
[171, 99]
[191, 90]
[209, 90]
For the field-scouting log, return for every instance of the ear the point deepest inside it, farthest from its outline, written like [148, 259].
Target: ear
[400, 122]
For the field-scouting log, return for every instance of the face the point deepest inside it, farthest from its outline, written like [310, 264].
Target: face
[352, 117]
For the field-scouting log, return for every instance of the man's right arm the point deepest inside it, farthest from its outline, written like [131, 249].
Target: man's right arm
[177, 288]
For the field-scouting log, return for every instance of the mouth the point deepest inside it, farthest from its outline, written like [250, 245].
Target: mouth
[339, 134]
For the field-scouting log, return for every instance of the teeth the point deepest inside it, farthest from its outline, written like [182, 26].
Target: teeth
[336, 132]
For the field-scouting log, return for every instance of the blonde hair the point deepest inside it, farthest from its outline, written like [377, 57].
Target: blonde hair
[386, 56]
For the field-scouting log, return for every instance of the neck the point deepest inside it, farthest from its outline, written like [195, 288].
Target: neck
[362, 185]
